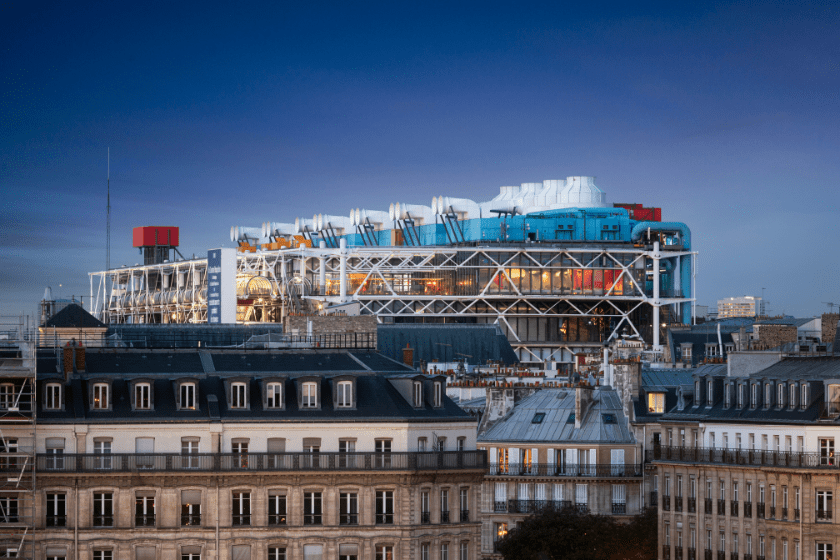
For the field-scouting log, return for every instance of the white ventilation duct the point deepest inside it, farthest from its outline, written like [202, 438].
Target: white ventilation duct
[338, 223]
[581, 192]
[417, 212]
[465, 208]
[549, 196]
[375, 217]
[300, 223]
[273, 229]
[242, 233]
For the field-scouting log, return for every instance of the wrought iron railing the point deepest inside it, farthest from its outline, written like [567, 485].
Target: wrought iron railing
[241, 519]
[144, 520]
[619, 508]
[707, 505]
[465, 516]
[748, 509]
[190, 519]
[384, 518]
[666, 552]
[721, 507]
[666, 502]
[426, 517]
[103, 520]
[276, 518]
[654, 499]
[760, 510]
[533, 506]
[601, 470]
[678, 503]
[56, 521]
[823, 515]
[692, 505]
[499, 507]
[733, 508]
[345, 519]
[750, 457]
[155, 462]
[444, 517]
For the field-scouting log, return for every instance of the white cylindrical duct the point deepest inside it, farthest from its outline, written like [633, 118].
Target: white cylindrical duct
[607, 369]
[301, 223]
[273, 229]
[465, 208]
[242, 233]
[375, 217]
[338, 223]
[656, 255]
[419, 213]
[342, 270]
[322, 269]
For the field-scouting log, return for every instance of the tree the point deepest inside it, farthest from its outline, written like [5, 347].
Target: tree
[566, 534]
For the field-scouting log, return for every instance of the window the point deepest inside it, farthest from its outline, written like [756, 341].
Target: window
[348, 552]
[425, 515]
[824, 551]
[237, 395]
[189, 452]
[186, 396]
[144, 448]
[102, 450]
[503, 460]
[741, 389]
[240, 448]
[780, 395]
[142, 396]
[384, 507]
[462, 443]
[803, 396]
[276, 507]
[438, 394]
[345, 394]
[722, 542]
[709, 393]
[348, 507]
[347, 446]
[796, 550]
[768, 397]
[444, 551]
[444, 506]
[418, 394]
[103, 555]
[464, 551]
[312, 446]
[312, 514]
[424, 551]
[100, 396]
[56, 510]
[55, 453]
[103, 509]
[53, 394]
[384, 553]
[190, 553]
[464, 504]
[310, 395]
[56, 553]
[7, 396]
[753, 395]
[538, 418]
[383, 453]
[824, 509]
[191, 508]
[421, 444]
[274, 399]
[500, 532]
[656, 403]
[241, 508]
[276, 553]
[826, 451]
[792, 396]
[727, 395]
[144, 509]
[9, 509]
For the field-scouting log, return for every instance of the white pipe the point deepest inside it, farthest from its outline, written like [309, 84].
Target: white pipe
[272, 229]
[465, 208]
[375, 217]
[338, 223]
[342, 270]
[720, 340]
[322, 269]
[241, 233]
[607, 369]
[656, 346]
[419, 213]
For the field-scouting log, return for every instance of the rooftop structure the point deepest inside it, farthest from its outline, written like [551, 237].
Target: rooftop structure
[746, 306]
[551, 263]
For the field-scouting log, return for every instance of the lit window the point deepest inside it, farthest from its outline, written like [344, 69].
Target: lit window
[345, 394]
[142, 393]
[310, 395]
[187, 396]
[100, 396]
[384, 553]
[656, 403]
[826, 451]
[237, 395]
[274, 395]
[53, 396]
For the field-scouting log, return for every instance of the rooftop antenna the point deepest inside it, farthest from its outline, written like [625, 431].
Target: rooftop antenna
[831, 306]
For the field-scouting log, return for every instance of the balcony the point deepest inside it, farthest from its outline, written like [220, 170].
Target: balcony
[241, 519]
[190, 520]
[582, 508]
[276, 518]
[824, 515]
[465, 516]
[600, 470]
[144, 520]
[654, 499]
[692, 505]
[747, 457]
[499, 507]
[666, 552]
[312, 519]
[796, 515]
[619, 509]
[388, 518]
[534, 506]
[708, 555]
[666, 503]
[747, 556]
[103, 520]
[733, 508]
[250, 462]
[56, 521]
[678, 503]
[678, 553]
[772, 512]
[721, 507]
[721, 555]
[760, 510]
[748, 509]
[733, 556]
[692, 554]
[707, 506]
[784, 514]
[444, 517]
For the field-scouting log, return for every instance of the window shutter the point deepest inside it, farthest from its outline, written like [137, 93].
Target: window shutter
[535, 455]
[523, 491]
[311, 442]
[348, 550]
[493, 460]
[276, 445]
[513, 459]
[145, 553]
[144, 445]
[191, 496]
[240, 552]
[55, 443]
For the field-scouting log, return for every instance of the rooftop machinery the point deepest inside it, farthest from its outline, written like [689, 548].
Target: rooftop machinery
[551, 263]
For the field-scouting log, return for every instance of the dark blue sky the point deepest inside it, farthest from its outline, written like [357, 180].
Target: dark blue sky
[725, 115]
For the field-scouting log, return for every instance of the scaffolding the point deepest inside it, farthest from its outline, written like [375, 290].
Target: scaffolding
[18, 341]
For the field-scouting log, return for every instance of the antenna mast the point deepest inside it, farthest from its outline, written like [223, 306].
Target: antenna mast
[108, 226]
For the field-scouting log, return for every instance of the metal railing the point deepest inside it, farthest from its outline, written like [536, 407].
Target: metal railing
[733, 508]
[823, 515]
[666, 552]
[796, 515]
[151, 462]
[190, 520]
[784, 514]
[499, 507]
[760, 510]
[666, 502]
[144, 520]
[444, 517]
[241, 519]
[533, 506]
[56, 521]
[654, 499]
[426, 517]
[465, 516]
[619, 508]
[772, 512]
[721, 555]
[602, 470]
[678, 503]
[707, 506]
[103, 520]
[312, 519]
[748, 509]
[747, 457]
[343, 519]
[678, 553]
[388, 518]
[692, 505]
[721, 507]
[276, 518]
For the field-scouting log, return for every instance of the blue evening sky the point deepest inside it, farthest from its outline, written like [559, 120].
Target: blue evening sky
[723, 114]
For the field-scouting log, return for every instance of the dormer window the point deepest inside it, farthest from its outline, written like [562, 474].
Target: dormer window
[238, 395]
[418, 394]
[780, 395]
[727, 395]
[438, 402]
[803, 401]
[142, 396]
[697, 393]
[344, 398]
[274, 395]
[186, 396]
[768, 395]
[709, 393]
[741, 390]
[100, 396]
[656, 403]
[833, 404]
[53, 396]
[754, 396]
[310, 395]
[792, 399]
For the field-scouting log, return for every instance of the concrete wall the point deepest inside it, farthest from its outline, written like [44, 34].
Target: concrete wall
[743, 364]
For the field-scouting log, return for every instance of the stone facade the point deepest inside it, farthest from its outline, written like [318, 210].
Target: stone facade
[344, 324]
[773, 336]
[829, 327]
